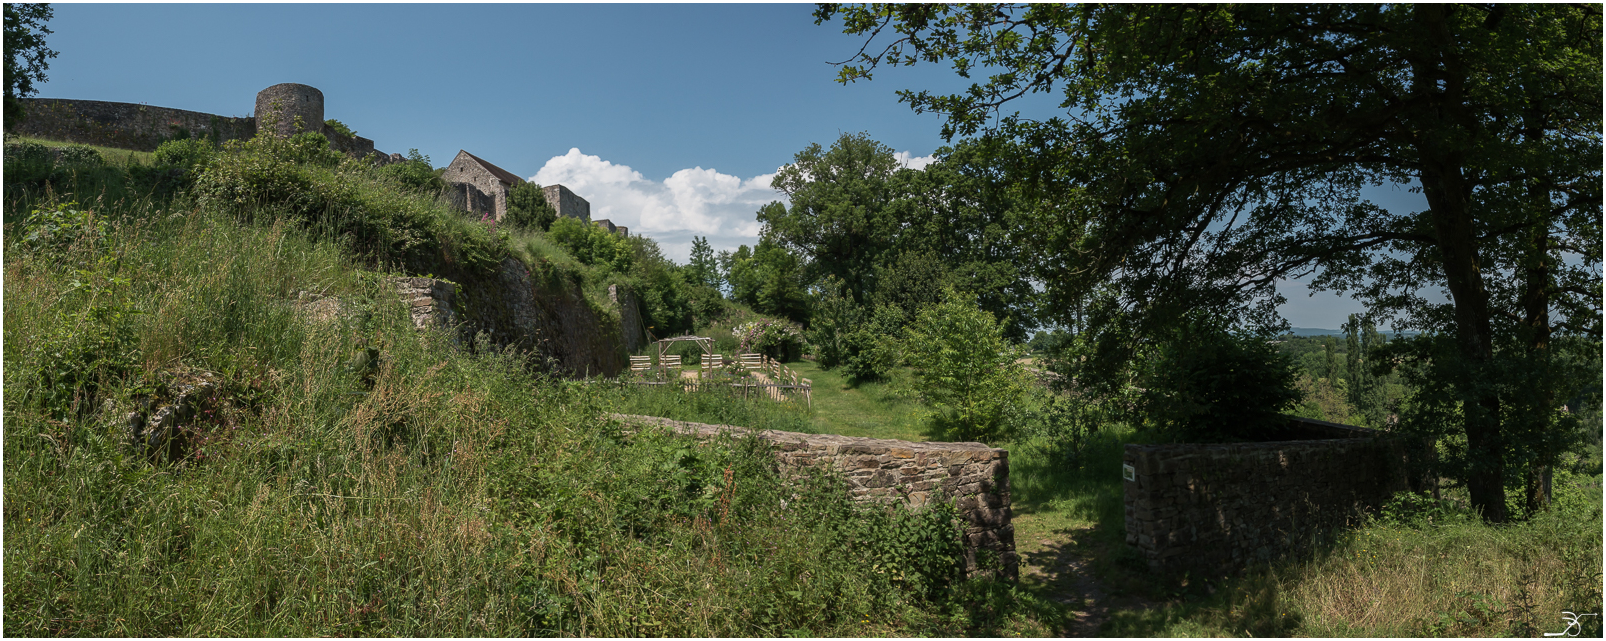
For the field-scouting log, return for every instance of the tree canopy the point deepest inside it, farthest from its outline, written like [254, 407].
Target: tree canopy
[1207, 152]
[26, 53]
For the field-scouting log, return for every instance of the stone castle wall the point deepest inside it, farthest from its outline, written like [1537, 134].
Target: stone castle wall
[125, 125]
[468, 198]
[973, 476]
[567, 203]
[1216, 508]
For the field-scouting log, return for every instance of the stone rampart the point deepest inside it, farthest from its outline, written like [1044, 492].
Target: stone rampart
[973, 476]
[1216, 508]
[124, 125]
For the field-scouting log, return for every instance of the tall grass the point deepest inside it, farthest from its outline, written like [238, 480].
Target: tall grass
[439, 492]
[710, 404]
[1402, 574]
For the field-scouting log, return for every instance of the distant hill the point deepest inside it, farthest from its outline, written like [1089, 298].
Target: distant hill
[1316, 331]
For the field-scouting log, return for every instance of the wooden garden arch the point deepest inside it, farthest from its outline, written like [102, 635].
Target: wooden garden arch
[664, 344]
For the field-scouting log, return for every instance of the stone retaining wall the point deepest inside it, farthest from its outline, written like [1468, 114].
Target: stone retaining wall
[1215, 508]
[972, 475]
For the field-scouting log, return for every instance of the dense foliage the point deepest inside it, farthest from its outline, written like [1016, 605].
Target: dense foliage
[1205, 383]
[1202, 157]
[26, 53]
[965, 367]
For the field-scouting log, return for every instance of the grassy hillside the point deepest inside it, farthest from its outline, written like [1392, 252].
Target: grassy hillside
[433, 491]
[444, 491]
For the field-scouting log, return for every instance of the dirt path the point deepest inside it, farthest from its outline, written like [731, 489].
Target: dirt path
[1062, 561]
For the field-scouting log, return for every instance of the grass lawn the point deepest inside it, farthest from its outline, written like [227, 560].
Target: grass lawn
[867, 409]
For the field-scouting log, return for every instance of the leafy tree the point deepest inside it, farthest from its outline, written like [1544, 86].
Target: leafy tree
[1209, 151]
[842, 215]
[26, 53]
[667, 300]
[1367, 392]
[975, 225]
[1207, 383]
[704, 269]
[965, 367]
[898, 236]
[527, 207]
[768, 278]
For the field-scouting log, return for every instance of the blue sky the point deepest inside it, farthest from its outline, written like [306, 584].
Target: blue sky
[669, 119]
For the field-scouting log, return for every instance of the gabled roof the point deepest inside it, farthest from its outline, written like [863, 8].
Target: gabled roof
[500, 173]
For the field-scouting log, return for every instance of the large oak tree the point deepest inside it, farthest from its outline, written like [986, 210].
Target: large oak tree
[1206, 152]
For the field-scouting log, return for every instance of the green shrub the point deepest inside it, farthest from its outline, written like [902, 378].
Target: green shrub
[965, 368]
[778, 339]
[55, 228]
[414, 174]
[865, 344]
[189, 157]
[339, 127]
[593, 245]
[79, 156]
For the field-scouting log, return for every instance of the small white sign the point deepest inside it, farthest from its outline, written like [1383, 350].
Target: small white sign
[1128, 472]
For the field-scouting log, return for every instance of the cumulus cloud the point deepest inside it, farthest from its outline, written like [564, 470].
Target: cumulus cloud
[912, 161]
[690, 202]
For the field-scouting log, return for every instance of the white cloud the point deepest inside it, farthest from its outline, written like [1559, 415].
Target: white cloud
[691, 202]
[914, 162]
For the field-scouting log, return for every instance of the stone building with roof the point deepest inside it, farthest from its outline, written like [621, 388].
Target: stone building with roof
[481, 187]
[490, 181]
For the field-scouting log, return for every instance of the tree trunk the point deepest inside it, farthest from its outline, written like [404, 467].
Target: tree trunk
[1444, 122]
[1536, 320]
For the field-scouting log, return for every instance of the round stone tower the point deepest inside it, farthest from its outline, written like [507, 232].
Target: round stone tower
[290, 100]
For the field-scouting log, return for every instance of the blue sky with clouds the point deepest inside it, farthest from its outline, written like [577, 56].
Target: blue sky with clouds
[669, 119]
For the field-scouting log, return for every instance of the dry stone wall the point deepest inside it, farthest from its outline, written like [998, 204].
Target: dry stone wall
[973, 476]
[1216, 508]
